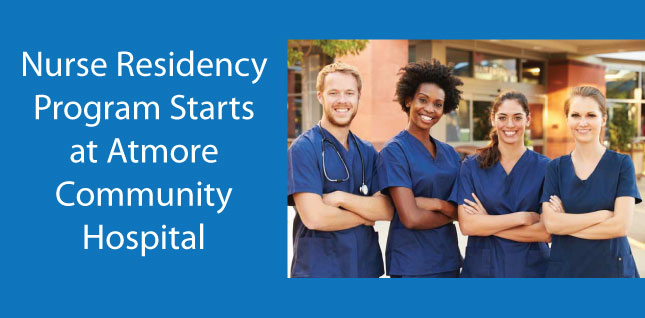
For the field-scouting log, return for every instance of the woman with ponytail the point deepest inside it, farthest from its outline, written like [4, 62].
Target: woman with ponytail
[589, 197]
[499, 199]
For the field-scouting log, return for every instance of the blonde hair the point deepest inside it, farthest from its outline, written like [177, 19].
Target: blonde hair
[337, 67]
[587, 91]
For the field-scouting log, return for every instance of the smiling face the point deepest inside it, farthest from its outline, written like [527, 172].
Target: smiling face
[339, 98]
[511, 121]
[426, 106]
[585, 119]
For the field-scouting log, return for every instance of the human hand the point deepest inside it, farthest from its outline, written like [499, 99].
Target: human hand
[474, 207]
[334, 199]
[556, 204]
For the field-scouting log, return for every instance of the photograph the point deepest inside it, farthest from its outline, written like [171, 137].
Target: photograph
[465, 158]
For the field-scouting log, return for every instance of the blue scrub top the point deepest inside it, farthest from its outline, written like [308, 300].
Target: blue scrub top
[499, 193]
[575, 257]
[352, 252]
[405, 162]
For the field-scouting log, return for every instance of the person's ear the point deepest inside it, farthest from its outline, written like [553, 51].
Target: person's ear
[528, 121]
[408, 102]
[320, 98]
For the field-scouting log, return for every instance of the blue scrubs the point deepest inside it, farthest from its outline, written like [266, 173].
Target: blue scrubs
[575, 257]
[352, 252]
[405, 162]
[499, 193]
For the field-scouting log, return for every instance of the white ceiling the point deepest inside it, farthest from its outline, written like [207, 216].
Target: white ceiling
[582, 47]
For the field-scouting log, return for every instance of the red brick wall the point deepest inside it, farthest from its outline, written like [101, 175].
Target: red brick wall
[379, 117]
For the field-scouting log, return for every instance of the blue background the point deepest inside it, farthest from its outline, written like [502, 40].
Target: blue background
[46, 272]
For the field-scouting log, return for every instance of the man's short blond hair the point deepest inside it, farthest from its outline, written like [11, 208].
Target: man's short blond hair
[337, 67]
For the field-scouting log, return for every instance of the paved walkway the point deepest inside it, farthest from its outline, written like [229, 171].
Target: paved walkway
[637, 231]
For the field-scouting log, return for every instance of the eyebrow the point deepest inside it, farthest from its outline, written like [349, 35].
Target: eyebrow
[507, 114]
[428, 97]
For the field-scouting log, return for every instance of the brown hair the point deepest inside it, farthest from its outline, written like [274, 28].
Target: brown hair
[490, 154]
[337, 67]
[587, 91]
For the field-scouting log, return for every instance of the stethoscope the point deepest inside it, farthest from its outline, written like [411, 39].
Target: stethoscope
[363, 189]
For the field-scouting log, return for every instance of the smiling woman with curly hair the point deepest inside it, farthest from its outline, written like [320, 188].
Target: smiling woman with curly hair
[415, 74]
[418, 172]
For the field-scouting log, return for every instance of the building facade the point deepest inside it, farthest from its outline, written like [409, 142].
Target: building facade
[544, 70]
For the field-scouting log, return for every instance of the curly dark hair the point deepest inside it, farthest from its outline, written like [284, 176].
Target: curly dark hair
[416, 73]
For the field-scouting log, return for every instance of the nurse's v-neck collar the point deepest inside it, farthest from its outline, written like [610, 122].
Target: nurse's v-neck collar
[337, 143]
[432, 140]
[594, 169]
[499, 163]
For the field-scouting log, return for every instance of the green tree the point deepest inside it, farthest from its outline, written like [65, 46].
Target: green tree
[621, 129]
[299, 49]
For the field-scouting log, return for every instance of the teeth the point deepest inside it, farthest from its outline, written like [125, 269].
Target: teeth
[510, 133]
[583, 131]
[426, 118]
[342, 110]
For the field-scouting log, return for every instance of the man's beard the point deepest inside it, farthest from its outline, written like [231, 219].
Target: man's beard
[332, 120]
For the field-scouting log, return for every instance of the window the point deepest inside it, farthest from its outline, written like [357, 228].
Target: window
[631, 113]
[495, 67]
[481, 120]
[461, 61]
[294, 102]
[532, 72]
[412, 53]
[625, 89]
[621, 84]
[458, 123]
